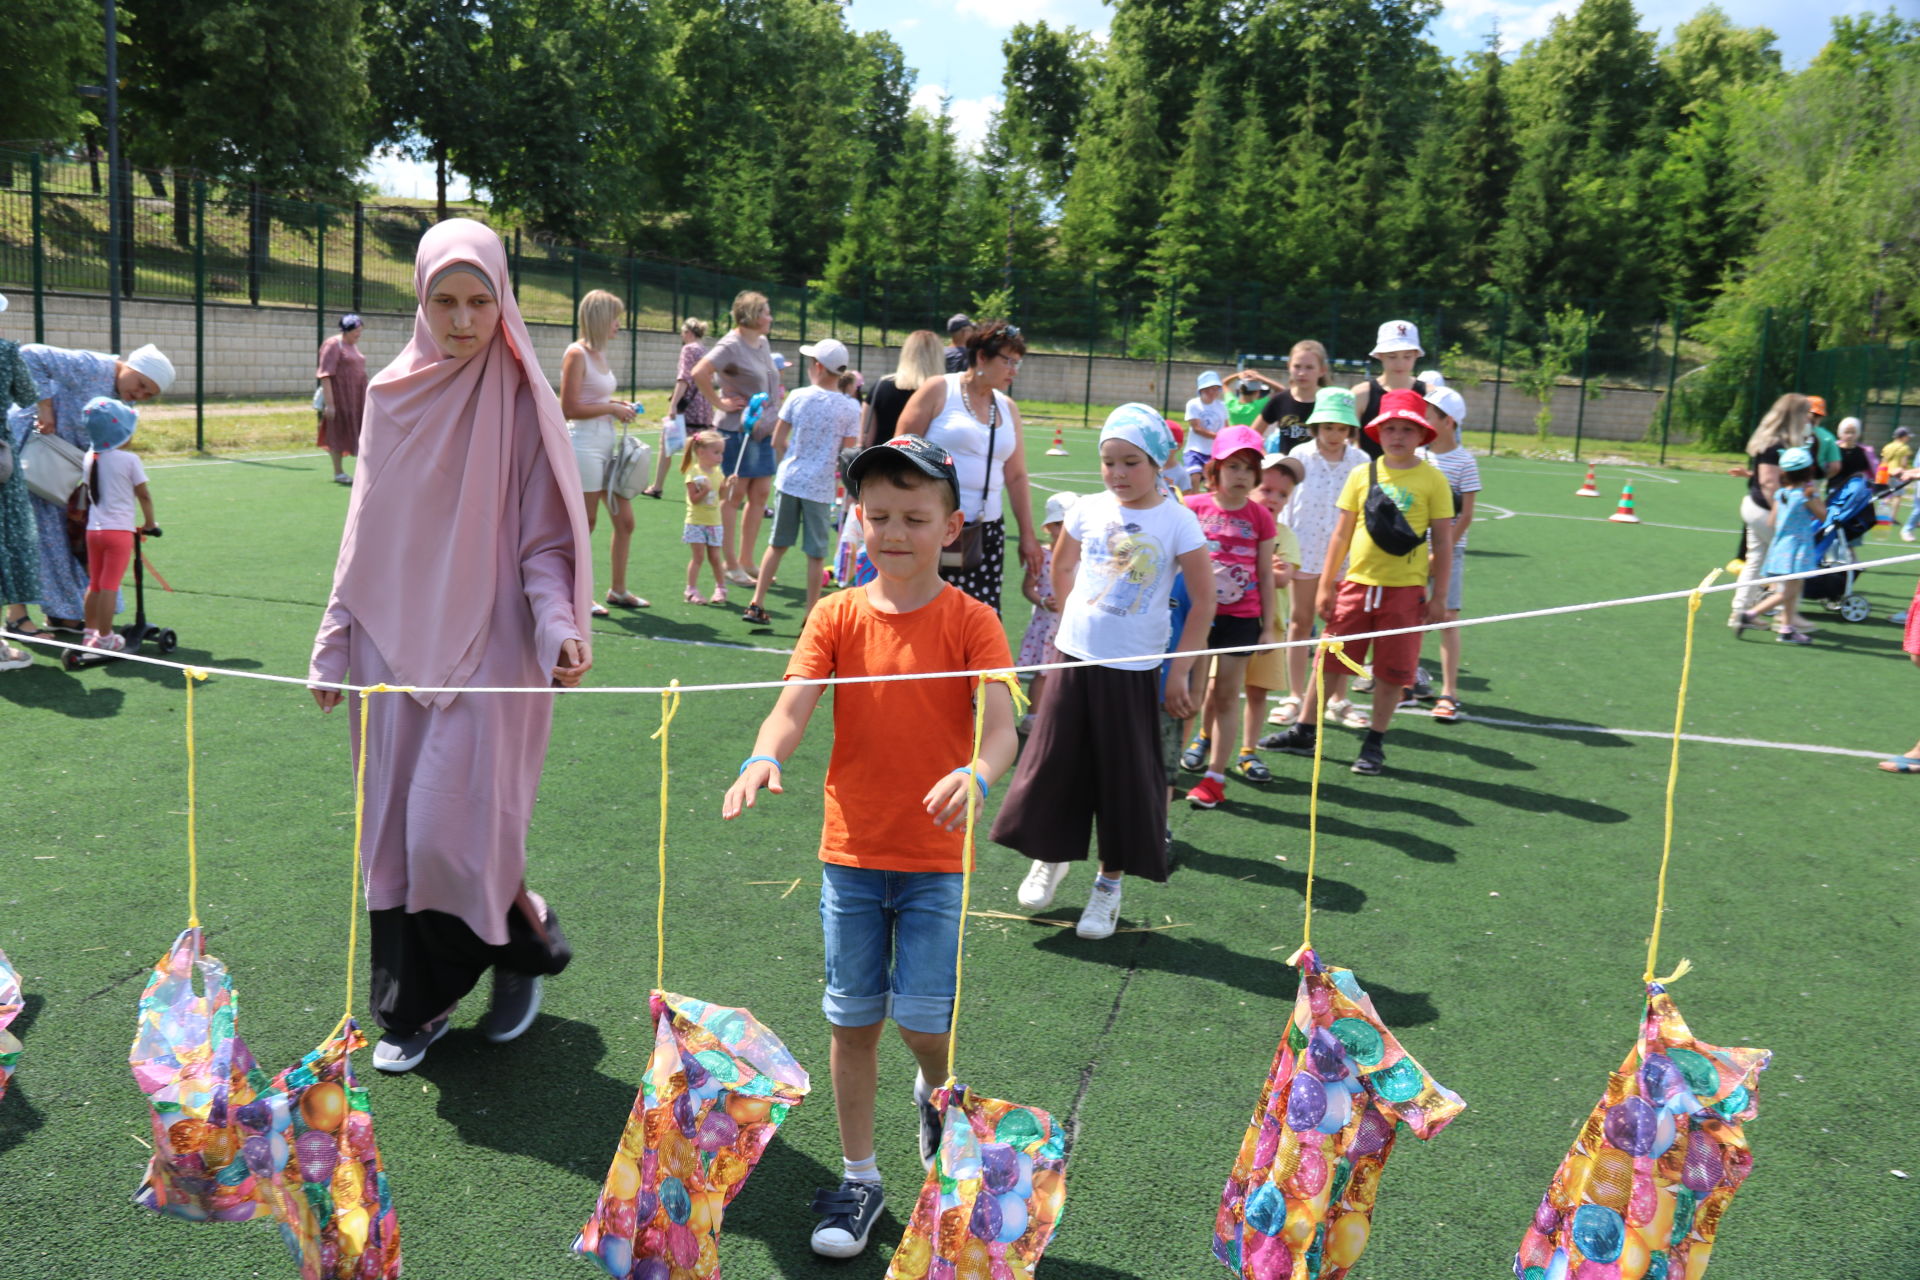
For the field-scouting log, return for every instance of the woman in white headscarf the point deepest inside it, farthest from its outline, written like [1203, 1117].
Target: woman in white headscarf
[67, 380]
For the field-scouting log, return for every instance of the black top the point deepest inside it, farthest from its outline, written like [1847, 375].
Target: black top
[886, 400]
[1754, 491]
[1371, 410]
[956, 359]
[1287, 416]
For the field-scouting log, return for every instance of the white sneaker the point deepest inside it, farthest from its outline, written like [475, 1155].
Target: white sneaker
[1906, 534]
[1102, 914]
[1043, 879]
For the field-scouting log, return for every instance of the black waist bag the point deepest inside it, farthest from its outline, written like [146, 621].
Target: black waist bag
[1386, 523]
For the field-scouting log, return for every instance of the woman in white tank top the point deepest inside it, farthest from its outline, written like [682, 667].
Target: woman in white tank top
[972, 417]
[593, 421]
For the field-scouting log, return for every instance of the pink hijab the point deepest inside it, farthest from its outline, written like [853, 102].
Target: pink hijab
[417, 560]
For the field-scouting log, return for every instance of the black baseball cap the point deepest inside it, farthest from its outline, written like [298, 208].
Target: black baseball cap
[924, 455]
[956, 323]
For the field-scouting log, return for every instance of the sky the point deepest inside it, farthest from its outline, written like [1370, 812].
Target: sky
[954, 45]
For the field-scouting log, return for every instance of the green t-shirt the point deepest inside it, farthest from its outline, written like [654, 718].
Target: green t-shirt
[1826, 448]
[1245, 413]
[1423, 496]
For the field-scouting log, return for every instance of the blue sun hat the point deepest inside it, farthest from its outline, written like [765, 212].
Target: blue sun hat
[1797, 458]
[1141, 425]
[109, 422]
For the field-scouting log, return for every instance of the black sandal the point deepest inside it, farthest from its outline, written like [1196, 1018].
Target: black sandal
[757, 615]
[650, 493]
[28, 629]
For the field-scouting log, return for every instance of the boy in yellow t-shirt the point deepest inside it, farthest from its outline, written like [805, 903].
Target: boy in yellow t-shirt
[1386, 589]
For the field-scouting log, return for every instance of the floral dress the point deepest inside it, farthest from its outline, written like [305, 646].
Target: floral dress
[19, 531]
[1310, 512]
[1037, 645]
[70, 379]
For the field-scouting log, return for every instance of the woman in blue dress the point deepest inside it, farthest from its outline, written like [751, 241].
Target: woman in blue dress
[67, 379]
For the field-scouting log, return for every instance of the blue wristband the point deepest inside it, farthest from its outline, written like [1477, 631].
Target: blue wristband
[769, 759]
[980, 781]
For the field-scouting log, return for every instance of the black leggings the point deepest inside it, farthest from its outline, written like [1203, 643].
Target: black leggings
[423, 962]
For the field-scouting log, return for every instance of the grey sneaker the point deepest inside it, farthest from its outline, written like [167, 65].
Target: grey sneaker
[395, 1054]
[516, 1003]
[849, 1216]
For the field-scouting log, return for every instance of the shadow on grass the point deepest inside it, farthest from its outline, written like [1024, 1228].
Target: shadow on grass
[19, 1117]
[46, 687]
[1523, 798]
[1584, 732]
[546, 1097]
[1336, 763]
[1328, 894]
[1446, 740]
[167, 675]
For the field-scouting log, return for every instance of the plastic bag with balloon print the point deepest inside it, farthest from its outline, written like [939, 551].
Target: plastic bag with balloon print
[1301, 1196]
[10, 1006]
[1641, 1194]
[189, 1059]
[717, 1087]
[310, 1135]
[993, 1197]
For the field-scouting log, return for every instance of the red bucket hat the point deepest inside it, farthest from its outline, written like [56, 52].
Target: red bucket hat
[1409, 405]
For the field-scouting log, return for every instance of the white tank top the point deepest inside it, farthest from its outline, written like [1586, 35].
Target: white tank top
[597, 383]
[965, 437]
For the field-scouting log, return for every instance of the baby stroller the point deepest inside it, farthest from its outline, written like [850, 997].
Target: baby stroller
[1850, 517]
[135, 633]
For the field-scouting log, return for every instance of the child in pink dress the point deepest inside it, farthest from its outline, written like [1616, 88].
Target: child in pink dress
[1037, 645]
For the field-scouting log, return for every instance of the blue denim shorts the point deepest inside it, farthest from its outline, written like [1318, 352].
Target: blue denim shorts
[892, 937]
[758, 460]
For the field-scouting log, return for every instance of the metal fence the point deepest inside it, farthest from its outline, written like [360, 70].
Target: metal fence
[186, 241]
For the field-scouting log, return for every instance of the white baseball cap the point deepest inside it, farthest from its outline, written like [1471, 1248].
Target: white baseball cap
[1432, 378]
[1449, 402]
[1058, 504]
[152, 362]
[1207, 379]
[830, 352]
[1398, 335]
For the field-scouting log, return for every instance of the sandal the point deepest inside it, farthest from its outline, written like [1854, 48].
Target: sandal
[694, 597]
[601, 611]
[1286, 711]
[1342, 711]
[1194, 758]
[1900, 764]
[650, 493]
[627, 600]
[28, 629]
[757, 615]
[719, 595]
[1447, 709]
[1787, 635]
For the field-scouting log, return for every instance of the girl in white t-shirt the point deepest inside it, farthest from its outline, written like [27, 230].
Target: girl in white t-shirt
[1328, 459]
[1094, 755]
[115, 483]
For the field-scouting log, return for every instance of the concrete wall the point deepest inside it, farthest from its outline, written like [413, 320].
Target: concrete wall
[270, 352]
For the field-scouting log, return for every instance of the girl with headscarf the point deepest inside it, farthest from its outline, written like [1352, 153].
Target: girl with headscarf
[67, 380]
[464, 563]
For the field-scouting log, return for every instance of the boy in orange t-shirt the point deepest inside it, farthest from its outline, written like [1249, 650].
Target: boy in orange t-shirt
[890, 892]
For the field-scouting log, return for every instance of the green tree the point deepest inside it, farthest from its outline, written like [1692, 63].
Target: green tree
[47, 48]
[1481, 159]
[419, 55]
[1187, 243]
[1044, 89]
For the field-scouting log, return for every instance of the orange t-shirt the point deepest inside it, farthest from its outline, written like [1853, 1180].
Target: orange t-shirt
[893, 740]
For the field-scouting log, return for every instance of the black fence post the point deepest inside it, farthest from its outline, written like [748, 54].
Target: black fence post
[359, 254]
[1166, 378]
[633, 326]
[1673, 374]
[39, 253]
[576, 284]
[1093, 327]
[319, 275]
[1499, 371]
[1580, 414]
[199, 316]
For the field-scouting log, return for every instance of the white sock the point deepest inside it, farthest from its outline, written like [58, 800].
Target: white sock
[922, 1091]
[1111, 884]
[1216, 777]
[867, 1170]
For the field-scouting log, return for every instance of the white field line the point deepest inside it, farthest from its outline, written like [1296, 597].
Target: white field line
[1666, 735]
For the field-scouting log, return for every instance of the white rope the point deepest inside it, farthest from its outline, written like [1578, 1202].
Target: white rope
[827, 681]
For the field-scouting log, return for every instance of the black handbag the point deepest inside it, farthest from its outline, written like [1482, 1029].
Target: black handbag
[1386, 523]
[968, 551]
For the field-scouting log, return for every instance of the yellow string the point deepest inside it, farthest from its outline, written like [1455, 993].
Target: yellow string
[1327, 645]
[359, 836]
[193, 809]
[966, 857]
[669, 707]
[1673, 783]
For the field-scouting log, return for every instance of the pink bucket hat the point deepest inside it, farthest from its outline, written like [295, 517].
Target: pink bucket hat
[1237, 440]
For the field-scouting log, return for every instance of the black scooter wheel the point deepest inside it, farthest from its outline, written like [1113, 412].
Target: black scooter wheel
[166, 641]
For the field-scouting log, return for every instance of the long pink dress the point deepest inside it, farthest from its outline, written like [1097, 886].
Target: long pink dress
[449, 804]
[346, 366]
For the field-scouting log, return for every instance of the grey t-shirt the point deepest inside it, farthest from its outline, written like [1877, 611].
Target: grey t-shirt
[743, 367]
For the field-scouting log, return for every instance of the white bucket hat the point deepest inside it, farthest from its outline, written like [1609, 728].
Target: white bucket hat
[1432, 378]
[1449, 402]
[152, 362]
[1207, 379]
[1398, 335]
[1058, 504]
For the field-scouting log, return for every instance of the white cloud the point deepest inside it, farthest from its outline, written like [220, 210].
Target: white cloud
[970, 116]
[1518, 20]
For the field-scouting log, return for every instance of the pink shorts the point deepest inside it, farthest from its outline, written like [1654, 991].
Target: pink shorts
[109, 552]
[1360, 608]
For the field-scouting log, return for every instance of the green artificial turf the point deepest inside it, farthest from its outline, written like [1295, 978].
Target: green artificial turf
[1494, 891]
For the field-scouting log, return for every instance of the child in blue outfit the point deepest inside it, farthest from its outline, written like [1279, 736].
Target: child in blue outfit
[1797, 512]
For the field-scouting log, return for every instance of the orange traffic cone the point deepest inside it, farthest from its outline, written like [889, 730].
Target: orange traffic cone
[1623, 514]
[1058, 449]
[1586, 489]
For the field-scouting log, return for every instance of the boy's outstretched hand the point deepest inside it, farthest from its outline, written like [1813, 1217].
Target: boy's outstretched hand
[947, 800]
[740, 795]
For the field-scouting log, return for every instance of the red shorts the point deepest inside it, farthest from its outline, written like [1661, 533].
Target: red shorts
[1359, 608]
[109, 552]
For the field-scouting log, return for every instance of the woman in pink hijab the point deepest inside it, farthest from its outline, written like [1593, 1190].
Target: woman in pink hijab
[464, 563]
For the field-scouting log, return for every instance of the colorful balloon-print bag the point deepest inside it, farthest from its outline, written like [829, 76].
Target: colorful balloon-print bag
[991, 1201]
[717, 1087]
[1301, 1196]
[310, 1136]
[11, 1004]
[189, 1060]
[1642, 1191]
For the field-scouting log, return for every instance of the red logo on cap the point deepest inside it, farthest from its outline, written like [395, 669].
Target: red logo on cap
[1403, 330]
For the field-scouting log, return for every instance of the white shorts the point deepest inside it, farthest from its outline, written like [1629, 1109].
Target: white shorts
[701, 535]
[593, 441]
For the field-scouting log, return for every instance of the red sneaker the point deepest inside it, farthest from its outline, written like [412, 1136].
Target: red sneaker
[1206, 794]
